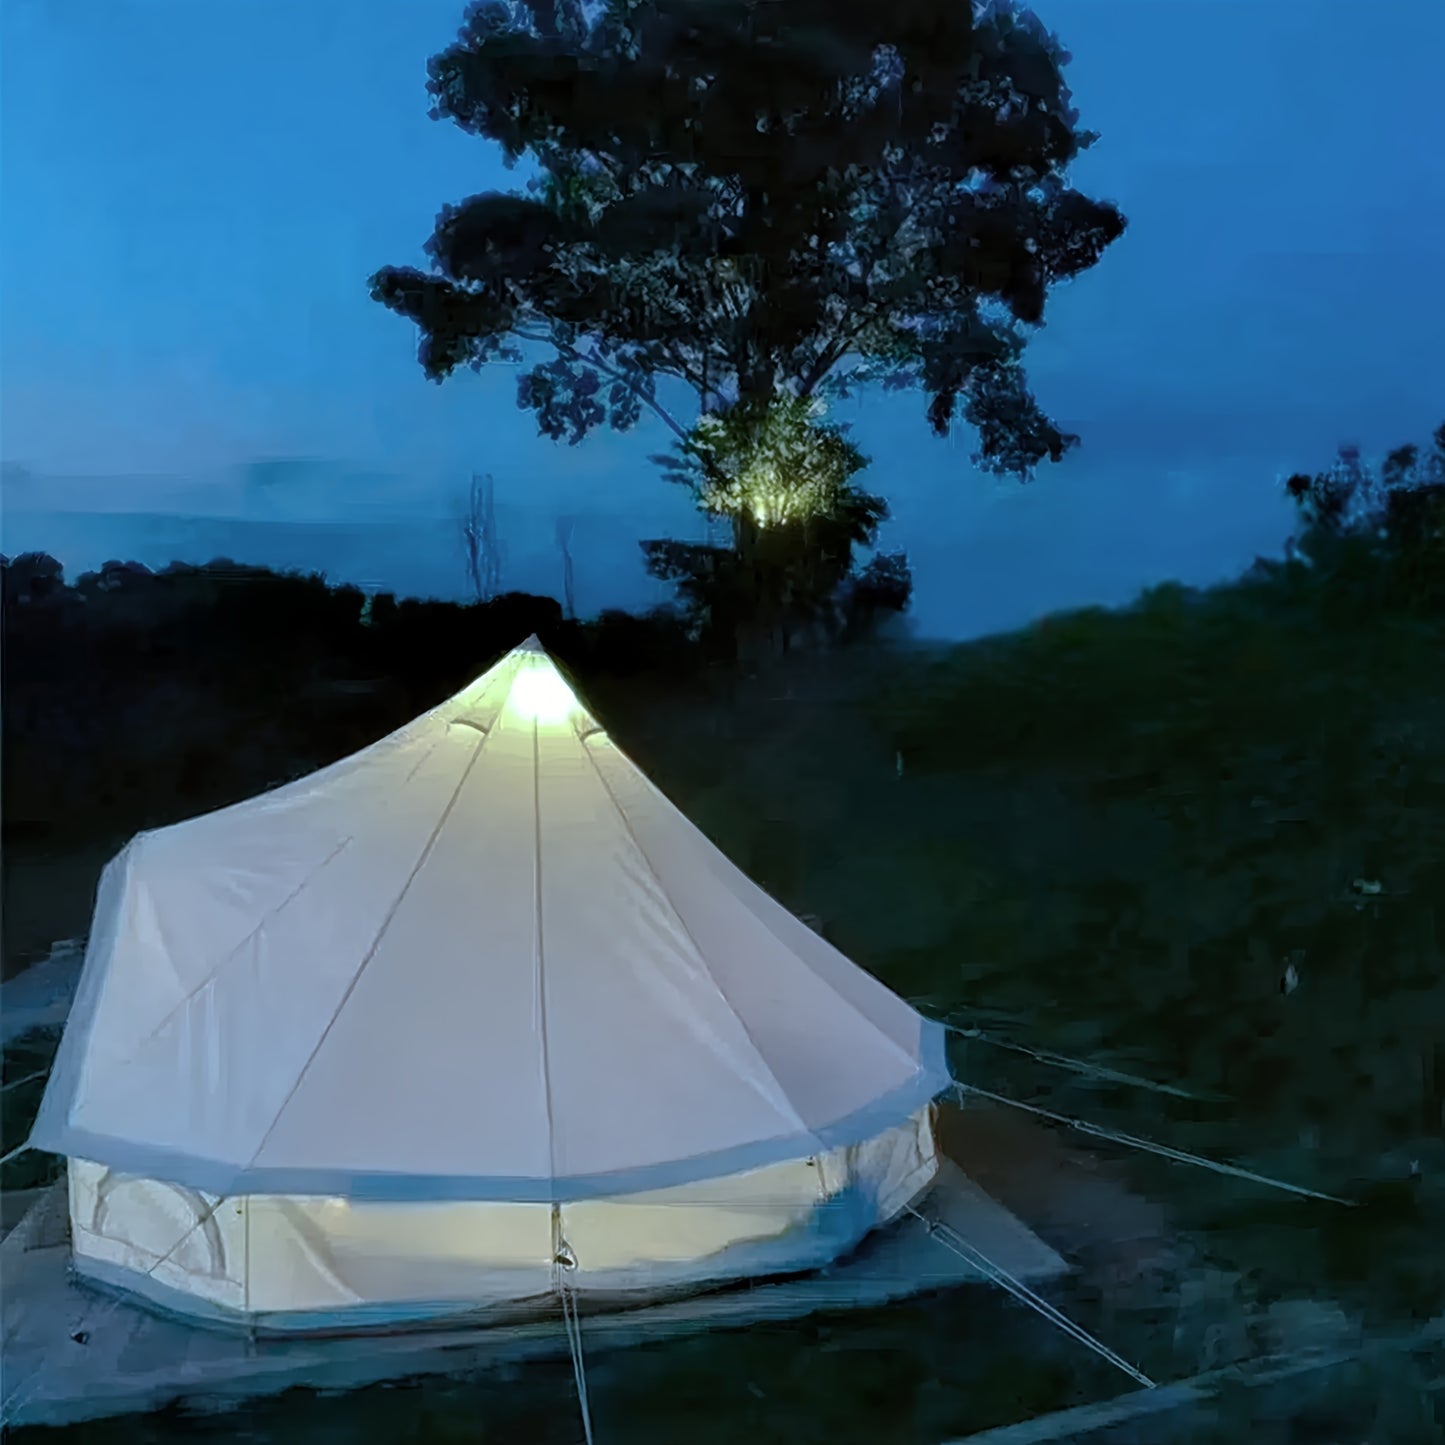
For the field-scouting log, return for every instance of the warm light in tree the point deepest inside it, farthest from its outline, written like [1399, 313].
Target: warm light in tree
[774, 463]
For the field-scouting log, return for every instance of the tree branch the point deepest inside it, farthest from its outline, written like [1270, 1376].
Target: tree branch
[835, 351]
[596, 361]
[830, 357]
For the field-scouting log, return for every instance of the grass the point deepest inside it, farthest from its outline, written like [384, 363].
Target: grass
[1115, 835]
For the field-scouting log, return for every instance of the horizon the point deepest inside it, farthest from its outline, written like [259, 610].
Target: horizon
[363, 550]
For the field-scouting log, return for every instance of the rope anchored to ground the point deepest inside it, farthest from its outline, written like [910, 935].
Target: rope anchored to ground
[572, 1324]
[951, 1240]
[1164, 1151]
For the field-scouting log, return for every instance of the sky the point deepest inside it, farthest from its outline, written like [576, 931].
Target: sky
[195, 194]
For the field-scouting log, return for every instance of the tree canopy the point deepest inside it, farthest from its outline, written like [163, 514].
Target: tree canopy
[759, 199]
[1385, 525]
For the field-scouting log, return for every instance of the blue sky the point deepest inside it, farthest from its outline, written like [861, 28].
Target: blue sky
[194, 195]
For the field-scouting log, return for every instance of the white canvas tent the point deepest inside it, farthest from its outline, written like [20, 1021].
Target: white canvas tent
[409, 1036]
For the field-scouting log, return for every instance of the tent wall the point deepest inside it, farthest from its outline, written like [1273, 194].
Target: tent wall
[311, 1262]
[181, 1239]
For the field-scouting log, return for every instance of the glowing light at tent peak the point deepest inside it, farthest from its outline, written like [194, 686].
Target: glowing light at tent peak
[540, 695]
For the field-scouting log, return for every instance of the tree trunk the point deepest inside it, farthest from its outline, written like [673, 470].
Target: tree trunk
[755, 613]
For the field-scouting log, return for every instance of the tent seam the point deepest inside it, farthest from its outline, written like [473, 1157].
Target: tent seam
[372, 951]
[702, 957]
[235, 951]
[340, 768]
[777, 938]
[539, 953]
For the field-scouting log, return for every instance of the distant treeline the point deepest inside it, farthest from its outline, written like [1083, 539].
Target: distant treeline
[133, 697]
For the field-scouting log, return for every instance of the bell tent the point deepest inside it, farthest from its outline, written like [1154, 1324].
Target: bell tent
[469, 1011]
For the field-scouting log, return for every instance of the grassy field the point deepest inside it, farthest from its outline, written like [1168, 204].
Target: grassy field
[1201, 840]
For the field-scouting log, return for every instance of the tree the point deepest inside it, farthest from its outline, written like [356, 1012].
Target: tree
[480, 541]
[1395, 517]
[32, 578]
[759, 198]
[562, 531]
[881, 590]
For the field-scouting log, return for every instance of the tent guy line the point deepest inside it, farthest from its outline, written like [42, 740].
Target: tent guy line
[951, 1240]
[1080, 1066]
[1148, 1146]
[572, 1322]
